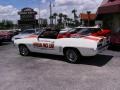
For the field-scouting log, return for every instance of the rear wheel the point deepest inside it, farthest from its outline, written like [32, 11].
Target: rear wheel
[72, 55]
[24, 51]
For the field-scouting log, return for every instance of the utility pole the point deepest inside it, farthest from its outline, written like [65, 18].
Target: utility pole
[39, 22]
[50, 13]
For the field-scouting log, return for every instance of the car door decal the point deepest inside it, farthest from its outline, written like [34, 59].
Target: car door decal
[44, 45]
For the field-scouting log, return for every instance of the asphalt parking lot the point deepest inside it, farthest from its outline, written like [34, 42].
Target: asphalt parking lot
[49, 72]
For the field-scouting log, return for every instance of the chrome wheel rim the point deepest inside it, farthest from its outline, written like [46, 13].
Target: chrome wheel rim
[23, 50]
[71, 55]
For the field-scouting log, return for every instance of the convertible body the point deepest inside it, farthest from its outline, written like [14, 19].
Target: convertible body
[85, 46]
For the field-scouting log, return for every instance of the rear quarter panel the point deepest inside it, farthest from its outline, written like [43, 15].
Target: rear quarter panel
[85, 47]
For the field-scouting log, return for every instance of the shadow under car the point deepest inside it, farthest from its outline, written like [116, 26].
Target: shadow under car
[98, 60]
[4, 43]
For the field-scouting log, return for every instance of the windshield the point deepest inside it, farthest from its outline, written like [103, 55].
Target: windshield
[39, 31]
[28, 31]
[49, 34]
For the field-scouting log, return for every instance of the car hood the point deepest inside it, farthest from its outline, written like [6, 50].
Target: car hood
[21, 35]
[25, 40]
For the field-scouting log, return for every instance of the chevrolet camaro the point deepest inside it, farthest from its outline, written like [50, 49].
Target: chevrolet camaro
[72, 48]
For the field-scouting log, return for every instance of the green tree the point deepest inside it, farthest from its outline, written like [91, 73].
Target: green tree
[6, 24]
[55, 17]
[60, 18]
[51, 17]
[76, 22]
[74, 13]
[65, 19]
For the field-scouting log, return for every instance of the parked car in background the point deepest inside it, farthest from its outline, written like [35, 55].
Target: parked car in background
[66, 29]
[1, 39]
[93, 31]
[28, 33]
[102, 32]
[115, 40]
[65, 33]
[81, 31]
[6, 35]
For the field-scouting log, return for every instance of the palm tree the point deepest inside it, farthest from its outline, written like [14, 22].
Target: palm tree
[60, 18]
[51, 17]
[68, 20]
[71, 22]
[75, 15]
[55, 16]
[76, 22]
[65, 19]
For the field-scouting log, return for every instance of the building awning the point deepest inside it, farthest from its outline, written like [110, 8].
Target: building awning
[109, 9]
[112, 6]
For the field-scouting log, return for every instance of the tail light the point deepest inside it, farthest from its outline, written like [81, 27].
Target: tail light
[100, 43]
[103, 42]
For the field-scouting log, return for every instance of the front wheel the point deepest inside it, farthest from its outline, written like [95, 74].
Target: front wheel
[72, 55]
[24, 51]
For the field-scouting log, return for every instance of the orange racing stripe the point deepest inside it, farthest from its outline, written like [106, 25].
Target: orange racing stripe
[92, 38]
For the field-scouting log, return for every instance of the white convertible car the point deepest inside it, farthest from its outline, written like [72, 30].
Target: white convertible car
[72, 48]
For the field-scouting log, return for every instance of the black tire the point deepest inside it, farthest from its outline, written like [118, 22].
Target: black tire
[23, 50]
[72, 55]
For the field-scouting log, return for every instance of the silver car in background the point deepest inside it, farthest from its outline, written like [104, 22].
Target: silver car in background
[26, 33]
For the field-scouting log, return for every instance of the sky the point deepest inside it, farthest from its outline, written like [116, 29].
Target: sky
[9, 8]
